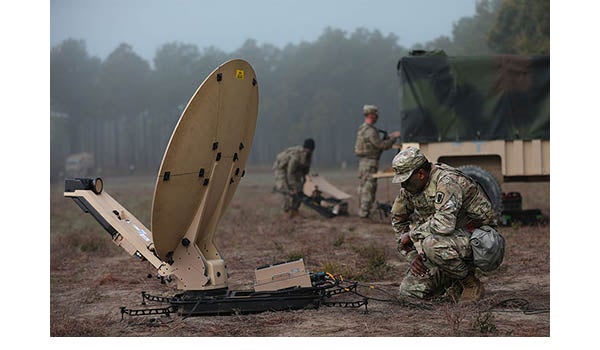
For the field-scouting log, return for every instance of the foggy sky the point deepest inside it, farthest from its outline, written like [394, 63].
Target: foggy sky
[148, 24]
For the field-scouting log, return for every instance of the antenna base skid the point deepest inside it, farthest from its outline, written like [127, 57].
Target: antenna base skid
[227, 302]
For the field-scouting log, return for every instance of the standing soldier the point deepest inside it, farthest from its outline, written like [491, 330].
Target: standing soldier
[368, 148]
[291, 167]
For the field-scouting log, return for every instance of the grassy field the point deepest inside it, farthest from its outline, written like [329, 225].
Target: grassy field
[90, 277]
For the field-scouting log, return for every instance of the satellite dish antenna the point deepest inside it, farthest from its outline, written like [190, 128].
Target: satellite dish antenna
[200, 171]
[203, 165]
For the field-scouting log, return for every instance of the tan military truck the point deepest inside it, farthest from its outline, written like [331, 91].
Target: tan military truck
[487, 115]
[79, 165]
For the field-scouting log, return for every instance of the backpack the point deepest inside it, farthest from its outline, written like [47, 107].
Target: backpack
[488, 248]
[362, 148]
[284, 156]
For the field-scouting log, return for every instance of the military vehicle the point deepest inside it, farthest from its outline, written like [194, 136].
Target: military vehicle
[487, 115]
[79, 165]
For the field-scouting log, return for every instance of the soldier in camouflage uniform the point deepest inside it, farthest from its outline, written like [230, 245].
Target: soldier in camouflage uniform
[291, 167]
[433, 216]
[368, 148]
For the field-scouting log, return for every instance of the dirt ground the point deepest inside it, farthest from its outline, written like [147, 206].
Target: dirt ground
[91, 278]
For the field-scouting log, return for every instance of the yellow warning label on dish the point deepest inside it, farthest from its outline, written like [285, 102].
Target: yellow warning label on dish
[239, 73]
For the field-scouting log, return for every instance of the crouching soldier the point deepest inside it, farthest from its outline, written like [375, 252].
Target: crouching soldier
[437, 214]
[291, 167]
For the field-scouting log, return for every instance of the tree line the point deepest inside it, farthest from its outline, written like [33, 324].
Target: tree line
[123, 110]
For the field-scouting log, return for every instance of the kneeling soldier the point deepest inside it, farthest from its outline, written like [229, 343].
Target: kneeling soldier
[437, 209]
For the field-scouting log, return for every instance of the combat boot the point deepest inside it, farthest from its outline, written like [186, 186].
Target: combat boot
[453, 293]
[472, 288]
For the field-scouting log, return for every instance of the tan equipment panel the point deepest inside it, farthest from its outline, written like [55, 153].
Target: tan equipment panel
[316, 181]
[283, 275]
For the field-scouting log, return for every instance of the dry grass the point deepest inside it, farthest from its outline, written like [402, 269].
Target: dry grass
[90, 277]
[79, 327]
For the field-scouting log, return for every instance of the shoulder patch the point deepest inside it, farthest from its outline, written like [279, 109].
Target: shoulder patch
[439, 197]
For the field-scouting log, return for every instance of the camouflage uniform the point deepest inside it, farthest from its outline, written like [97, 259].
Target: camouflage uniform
[291, 167]
[368, 148]
[439, 219]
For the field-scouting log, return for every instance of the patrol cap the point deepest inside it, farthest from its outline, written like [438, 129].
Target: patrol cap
[407, 161]
[309, 144]
[370, 109]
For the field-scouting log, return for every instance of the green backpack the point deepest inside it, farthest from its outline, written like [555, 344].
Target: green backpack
[488, 248]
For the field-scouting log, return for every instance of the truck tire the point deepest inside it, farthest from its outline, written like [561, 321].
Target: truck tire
[488, 182]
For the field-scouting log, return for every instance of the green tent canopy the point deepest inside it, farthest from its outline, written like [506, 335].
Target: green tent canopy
[500, 97]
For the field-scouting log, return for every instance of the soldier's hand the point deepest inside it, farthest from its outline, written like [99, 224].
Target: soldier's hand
[417, 266]
[406, 244]
[405, 238]
[395, 134]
